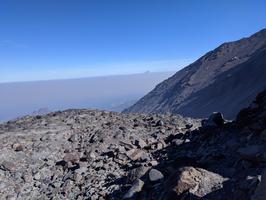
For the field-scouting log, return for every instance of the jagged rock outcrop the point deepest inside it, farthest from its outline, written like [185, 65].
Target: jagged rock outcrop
[225, 80]
[218, 161]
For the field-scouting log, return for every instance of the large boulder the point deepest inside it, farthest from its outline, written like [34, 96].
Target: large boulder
[214, 120]
[135, 188]
[136, 173]
[196, 182]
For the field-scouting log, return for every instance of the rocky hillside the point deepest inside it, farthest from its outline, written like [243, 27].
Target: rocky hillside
[225, 80]
[80, 154]
[88, 154]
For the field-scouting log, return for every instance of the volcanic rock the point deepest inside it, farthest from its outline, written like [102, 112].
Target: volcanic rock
[136, 187]
[155, 175]
[223, 162]
[197, 181]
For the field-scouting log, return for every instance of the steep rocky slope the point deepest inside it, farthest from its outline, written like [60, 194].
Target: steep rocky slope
[222, 160]
[88, 154]
[232, 73]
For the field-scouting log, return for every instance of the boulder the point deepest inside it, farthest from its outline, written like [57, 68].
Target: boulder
[140, 143]
[177, 142]
[159, 123]
[136, 173]
[73, 138]
[8, 166]
[197, 182]
[134, 154]
[155, 175]
[17, 147]
[135, 188]
[153, 163]
[71, 157]
[215, 119]
[126, 145]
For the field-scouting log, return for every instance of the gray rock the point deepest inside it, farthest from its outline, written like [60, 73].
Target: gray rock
[92, 156]
[73, 138]
[17, 147]
[153, 163]
[155, 175]
[81, 170]
[137, 173]
[178, 142]
[127, 145]
[71, 157]
[159, 123]
[140, 143]
[37, 176]
[90, 166]
[8, 166]
[135, 154]
[135, 188]
[214, 120]
[197, 181]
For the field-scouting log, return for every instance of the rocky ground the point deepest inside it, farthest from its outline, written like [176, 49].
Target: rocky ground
[89, 154]
[80, 154]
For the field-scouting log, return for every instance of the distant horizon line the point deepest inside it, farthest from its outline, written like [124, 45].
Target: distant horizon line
[87, 77]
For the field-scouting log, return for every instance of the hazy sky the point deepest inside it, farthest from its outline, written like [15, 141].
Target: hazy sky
[50, 39]
[110, 93]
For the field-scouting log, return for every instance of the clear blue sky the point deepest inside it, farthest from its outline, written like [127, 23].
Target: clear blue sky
[50, 39]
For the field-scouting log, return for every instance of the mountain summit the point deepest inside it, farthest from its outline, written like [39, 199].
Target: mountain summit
[225, 80]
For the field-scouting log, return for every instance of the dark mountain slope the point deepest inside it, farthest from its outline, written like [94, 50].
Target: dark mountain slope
[231, 91]
[176, 93]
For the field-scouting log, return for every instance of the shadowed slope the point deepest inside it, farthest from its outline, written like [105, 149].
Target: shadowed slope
[176, 92]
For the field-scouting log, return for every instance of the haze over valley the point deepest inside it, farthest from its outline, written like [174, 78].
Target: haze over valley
[113, 93]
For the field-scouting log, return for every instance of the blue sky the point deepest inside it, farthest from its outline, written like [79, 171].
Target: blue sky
[53, 39]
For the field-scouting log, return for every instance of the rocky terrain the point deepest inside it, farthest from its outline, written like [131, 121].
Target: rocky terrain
[225, 80]
[223, 160]
[80, 154]
[90, 154]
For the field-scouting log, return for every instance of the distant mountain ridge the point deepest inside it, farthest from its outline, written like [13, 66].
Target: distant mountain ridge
[225, 80]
